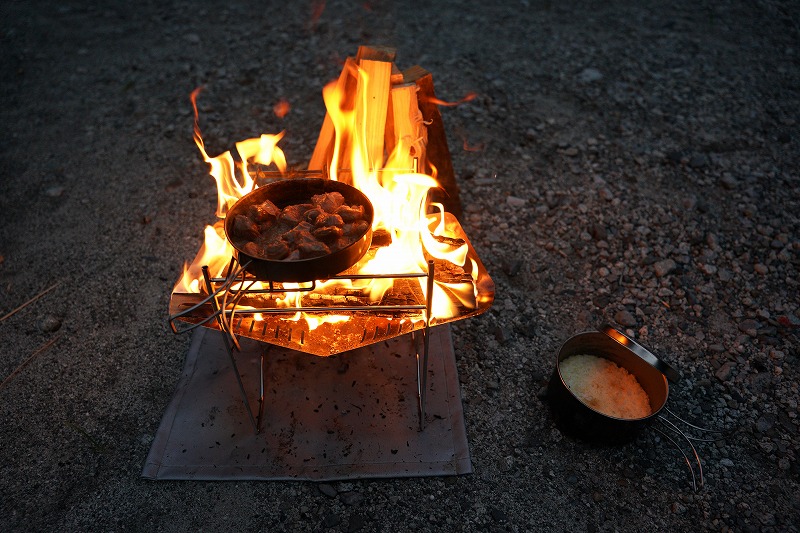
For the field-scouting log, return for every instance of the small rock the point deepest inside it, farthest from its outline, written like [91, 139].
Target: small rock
[571, 151]
[765, 422]
[728, 182]
[749, 327]
[760, 268]
[724, 372]
[331, 520]
[515, 202]
[726, 462]
[598, 232]
[54, 192]
[192, 38]
[327, 490]
[351, 497]
[664, 267]
[49, 324]
[589, 75]
[503, 335]
[498, 515]
[698, 161]
[355, 523]
[625, 318]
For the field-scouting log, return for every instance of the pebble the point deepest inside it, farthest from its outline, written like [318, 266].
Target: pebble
[589, 75]
[327, 490]
[664, 267]
[749, 327]
[765, 422]
[724, 372]
[331, 520]
[351, 497]
[49, 324]
[515, 202]
[624, 318]
[54, 192]
[760, 268]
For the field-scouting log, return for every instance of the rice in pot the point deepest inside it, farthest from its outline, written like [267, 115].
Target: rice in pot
[604, 386]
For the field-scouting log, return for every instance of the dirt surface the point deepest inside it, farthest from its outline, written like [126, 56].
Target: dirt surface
[628, 162]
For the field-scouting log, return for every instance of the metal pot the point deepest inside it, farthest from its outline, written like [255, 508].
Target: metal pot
[297, 191]
[577, 419]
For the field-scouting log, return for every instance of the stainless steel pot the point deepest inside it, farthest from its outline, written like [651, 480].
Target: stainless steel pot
[577, 419]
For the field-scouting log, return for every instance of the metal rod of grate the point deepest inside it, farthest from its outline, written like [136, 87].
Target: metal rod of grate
[225, 293]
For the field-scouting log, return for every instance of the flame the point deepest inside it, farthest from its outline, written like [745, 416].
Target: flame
[467, 98]
[230, 188]
[398, 192]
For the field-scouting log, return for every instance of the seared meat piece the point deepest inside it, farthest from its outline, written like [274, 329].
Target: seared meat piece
[312, 249]
[293, 214]
[252, 249]
[244, 228]
[277, 249]
[263, 212]
[328, 233]
[312, 214]
[328, 201]
[350, 214]
[300, 233]
[355, 229]
[326, 219]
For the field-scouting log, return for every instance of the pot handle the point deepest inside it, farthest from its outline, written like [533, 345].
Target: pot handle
[671, 374]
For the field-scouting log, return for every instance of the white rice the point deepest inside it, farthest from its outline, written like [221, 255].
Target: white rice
[605, 387]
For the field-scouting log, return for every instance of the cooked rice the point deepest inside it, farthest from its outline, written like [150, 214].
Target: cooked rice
[604, 386]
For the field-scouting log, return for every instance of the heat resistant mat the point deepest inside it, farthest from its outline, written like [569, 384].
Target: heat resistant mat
[349, 416]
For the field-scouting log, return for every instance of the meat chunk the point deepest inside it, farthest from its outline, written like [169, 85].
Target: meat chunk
[277, 250]
[350, 213]
[293, 214]
[329, 201]
[327, 219]
[355, 229]
[312, 248]
[327, 233]
[244, 228]
[252, 249]
[263, 212]
[300, 233]
[312, 214]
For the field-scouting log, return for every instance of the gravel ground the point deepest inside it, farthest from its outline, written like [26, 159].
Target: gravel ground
[629, 162]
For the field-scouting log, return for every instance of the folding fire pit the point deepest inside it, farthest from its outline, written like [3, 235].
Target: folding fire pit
[382, 136]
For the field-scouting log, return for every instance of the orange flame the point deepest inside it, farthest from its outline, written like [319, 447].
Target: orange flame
[468, 98]
[399, 194]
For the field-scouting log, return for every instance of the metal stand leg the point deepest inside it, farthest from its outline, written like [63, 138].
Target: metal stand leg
[229, 349]
[422, 373]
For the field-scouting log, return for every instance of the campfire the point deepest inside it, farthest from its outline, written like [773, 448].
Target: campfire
[383, 135]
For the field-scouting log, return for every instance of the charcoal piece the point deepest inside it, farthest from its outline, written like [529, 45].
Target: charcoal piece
[277, 250]
[327, 233]
[253, 249]
[381, 237]
[313, 248]
[356, 229]
[328, 201]
[326, 219]
[350, 214]
[263, 212]
[244, 228]
[294, 255]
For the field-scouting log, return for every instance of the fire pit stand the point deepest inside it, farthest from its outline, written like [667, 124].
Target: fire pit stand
[225, 293]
